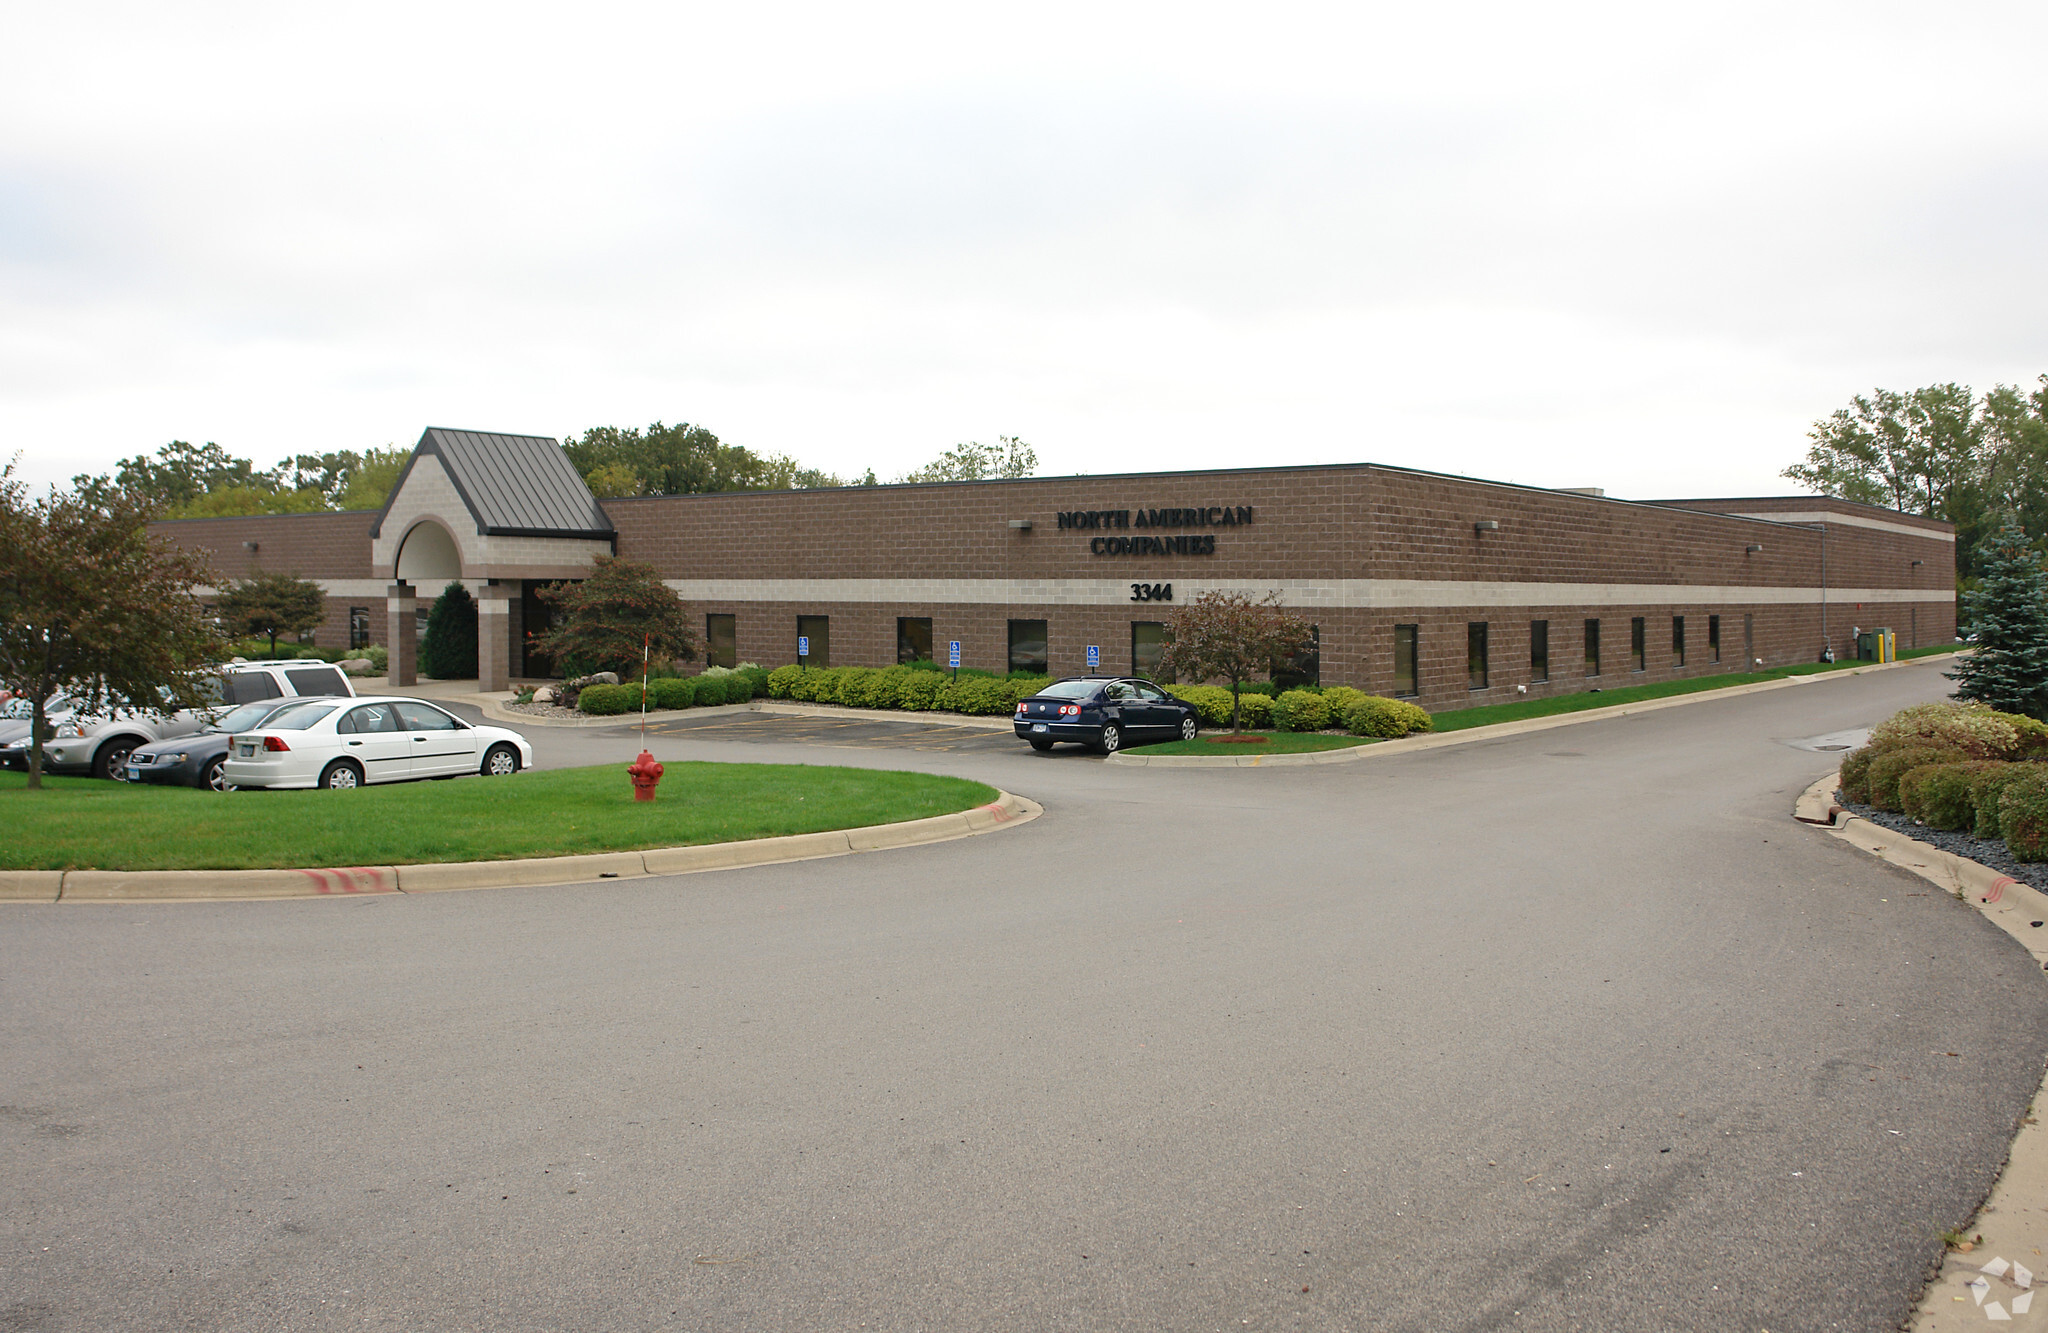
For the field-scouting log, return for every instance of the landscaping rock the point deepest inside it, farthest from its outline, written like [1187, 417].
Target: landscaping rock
[601, 678]
[546, 694]
[357, 666]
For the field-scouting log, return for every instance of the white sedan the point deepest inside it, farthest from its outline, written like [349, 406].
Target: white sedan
[344, 743]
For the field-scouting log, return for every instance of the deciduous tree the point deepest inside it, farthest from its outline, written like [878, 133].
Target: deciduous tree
[91, 605]
[271, 604]
[600, 622]
[972, 461]
[1231, 636]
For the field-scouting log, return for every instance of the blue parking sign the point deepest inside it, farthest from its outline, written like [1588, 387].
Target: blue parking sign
[803, 645]
[1094, 656]
[953, 654]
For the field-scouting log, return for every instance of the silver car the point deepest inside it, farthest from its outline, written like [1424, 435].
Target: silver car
[99, 744]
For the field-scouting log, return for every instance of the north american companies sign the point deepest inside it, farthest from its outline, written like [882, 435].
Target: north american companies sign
[1145, 525]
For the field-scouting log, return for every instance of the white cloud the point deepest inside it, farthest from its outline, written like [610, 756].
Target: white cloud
[1597, 246]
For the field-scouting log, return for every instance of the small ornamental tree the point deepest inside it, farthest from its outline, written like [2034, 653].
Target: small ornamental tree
[92, 605]
[1231, 636]
[272, 604]
[601, 622]
[2008, 610]
[448, 652]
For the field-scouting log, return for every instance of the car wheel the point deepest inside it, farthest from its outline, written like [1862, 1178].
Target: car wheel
[1039, 745]
[1188, 727]
[112, 760]
[341, 775]
[216, 775]
[1112, 738]
[500, 761]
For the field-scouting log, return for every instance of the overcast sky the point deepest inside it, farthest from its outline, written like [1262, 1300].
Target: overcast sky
[1639, 247]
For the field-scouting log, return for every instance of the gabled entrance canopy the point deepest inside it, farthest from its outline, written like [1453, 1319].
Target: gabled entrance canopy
[478, 505]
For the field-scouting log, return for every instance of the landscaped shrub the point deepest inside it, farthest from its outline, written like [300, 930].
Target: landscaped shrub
[1341, 697]
[756, 678]
[1972, 728]
[1212, 702]
[782, 680]
[1373, 715]
[1941, 796]
[862, 687]
[1301, 710]
[1254, 710]
[673, 692]
[1855, 777]
[1886, 770]
[606, 700]
[917, 689]
[2023, 814]
[979, 696]
[1987, 789]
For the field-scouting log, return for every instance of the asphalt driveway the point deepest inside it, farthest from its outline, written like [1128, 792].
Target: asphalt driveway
[1569, 1030]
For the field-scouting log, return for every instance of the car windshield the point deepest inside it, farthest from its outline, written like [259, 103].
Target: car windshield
[299, 716]
[1070, 689]
[245, 718]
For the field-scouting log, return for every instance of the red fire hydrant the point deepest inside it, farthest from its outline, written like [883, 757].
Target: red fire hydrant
[645, 772]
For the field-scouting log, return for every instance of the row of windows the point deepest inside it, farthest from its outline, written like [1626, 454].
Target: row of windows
[1029, 643]
[1478, 656]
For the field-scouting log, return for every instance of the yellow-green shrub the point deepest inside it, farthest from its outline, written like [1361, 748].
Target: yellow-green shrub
[1212, 702]
[2023, 814]
[1987, 790]
[608, 700]
[1941, 795]
[1301, 710]
[1975, 729]
[1886, 770]
[1372, 715]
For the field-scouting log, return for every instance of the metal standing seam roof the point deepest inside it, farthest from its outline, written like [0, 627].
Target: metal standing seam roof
[513, 485]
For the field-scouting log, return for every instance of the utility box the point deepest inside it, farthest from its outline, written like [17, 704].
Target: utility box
[1877, 645]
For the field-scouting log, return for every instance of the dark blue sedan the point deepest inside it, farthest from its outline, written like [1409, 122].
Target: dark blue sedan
[1105, 713]
[195, 761]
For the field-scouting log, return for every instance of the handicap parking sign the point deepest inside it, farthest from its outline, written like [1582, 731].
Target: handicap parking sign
[803, 645]
[1094, 656]
[953, 654]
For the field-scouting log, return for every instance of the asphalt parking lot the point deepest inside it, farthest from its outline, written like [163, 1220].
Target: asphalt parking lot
[1568, 1030]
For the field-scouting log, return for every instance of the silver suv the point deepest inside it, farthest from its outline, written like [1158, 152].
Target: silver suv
[99, 744]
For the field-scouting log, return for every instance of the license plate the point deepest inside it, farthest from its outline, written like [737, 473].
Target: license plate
[1039, 726]
[245, 750]
[134, 773]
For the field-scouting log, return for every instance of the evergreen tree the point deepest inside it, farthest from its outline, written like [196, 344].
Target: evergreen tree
[2008, 609]
[448, 652]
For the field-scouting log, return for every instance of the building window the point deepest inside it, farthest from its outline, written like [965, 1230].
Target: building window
[1475, 655]
[1678, 640]
[1148, 648]
[1592, 647]
[1713, 638]
[721, 641]
[1028, 641]
[1406, 639]
[1302, 668]
[359, 627]
[818, 630]
[1637, 633]
[1539, 651]
[913, 639]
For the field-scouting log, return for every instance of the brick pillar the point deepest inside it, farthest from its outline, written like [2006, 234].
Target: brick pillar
[493, 639]
[402, 603]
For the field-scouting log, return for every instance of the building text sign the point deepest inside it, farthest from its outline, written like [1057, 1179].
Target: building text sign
[1181, 543]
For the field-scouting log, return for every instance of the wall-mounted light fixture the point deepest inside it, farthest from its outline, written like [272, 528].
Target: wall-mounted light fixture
[1752, 549]
[1021, 524]
[1486, 525]
[1916, 564]
[248, 546]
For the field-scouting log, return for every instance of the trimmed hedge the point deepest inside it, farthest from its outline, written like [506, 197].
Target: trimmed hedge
[2023, 814]
[903, 687]
[1856, 773]
[1886, 770]
[608, 700]
[1987, 791]
[1940, 795]
[1975, 729]
[1301, 710]
[672, 692]
[1373, 715]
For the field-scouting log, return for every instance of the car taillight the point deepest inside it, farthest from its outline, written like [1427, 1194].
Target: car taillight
[275, 743]
[1020, 710]
[1070, 710]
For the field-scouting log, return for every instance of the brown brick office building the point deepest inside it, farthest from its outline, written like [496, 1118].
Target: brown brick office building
[1442, 588]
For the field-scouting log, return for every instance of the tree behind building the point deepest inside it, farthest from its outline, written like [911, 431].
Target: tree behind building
[271, 604]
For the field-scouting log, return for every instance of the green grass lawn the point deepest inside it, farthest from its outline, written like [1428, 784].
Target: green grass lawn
[1488, 714]
[84, 823]
[1218, 744]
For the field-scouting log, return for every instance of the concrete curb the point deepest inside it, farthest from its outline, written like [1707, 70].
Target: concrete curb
[2013, 1220]
[49, 886]
[1435, 740]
